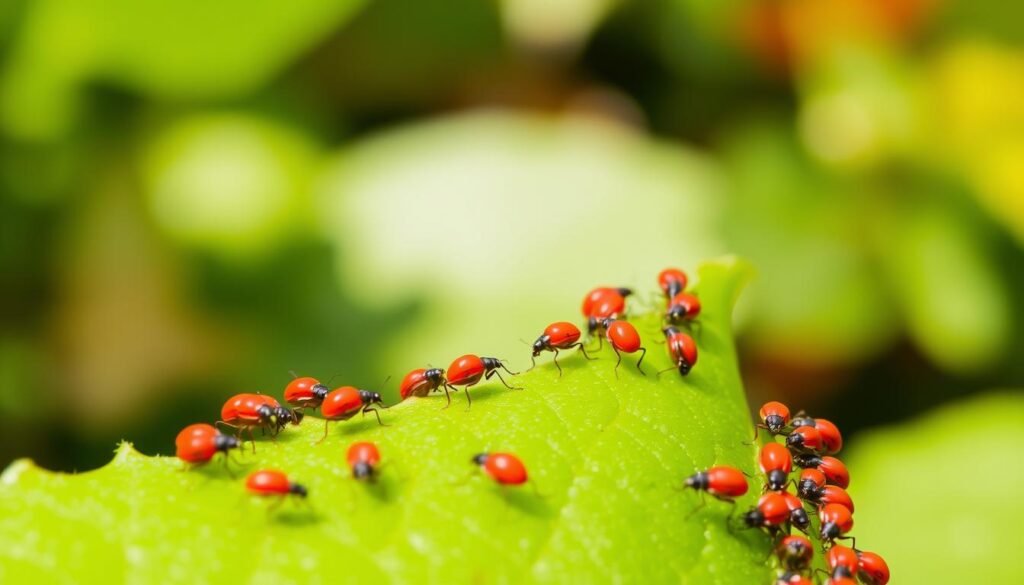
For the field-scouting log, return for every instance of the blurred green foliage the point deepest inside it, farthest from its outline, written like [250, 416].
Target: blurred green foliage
[196, 199]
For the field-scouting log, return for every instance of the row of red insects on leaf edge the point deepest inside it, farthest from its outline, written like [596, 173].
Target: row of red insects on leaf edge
[822, 481]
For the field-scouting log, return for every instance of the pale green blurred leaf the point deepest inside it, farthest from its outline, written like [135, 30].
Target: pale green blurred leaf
[940, 497]
[605, 453]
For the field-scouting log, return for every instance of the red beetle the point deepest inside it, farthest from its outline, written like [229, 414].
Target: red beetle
[804, 439]
[243, 412]
[682, 307]
[305, 392]
[421, 382]
[797, 515]
[624, 338]
[834, 470]
[560, 335]
[681, 348]
[836, 520]
[345, 402]
[795, 552]
[198, 443]
[504, 468]
[672, 281]
[793, 579]
[771, 511]
[270, 482]
[363, 457]
[841, 561]
[776, 464]
[774, 418]
[722, 482]
[605, 301]
[873, 568]
[469, 369]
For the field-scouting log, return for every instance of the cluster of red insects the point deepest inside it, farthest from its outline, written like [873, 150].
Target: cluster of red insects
[809, 442]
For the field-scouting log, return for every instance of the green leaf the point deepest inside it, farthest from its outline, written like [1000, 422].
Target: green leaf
[939, 497]
[606, 456]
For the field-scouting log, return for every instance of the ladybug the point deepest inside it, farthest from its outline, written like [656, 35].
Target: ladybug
[672, 281]
[770, 512]
[834, 470]
[605, 301]
[795, 552]
[421, 382]
[774, 417]
[243, 412]
[841, 561]
[682, 307]
[469, 369]
[810, 484]
[831, 438]
[804, 439]
[793, 579]
[504, 468]
[273, 483]
[345, 402]
[797, 515]
[722, 482]
[776, 464]
[363, 457]
[873, 569]
[681, 348]
[836, 520]
[305, 392]
[559, 335]
[624, 339]
[198, 443]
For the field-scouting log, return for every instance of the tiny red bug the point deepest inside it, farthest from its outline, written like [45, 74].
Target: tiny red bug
[345, 402]
[836, 520]
[560, 335]
[363, 457]
[198, 443]
[605, 301]
[243, 412]
[504, 468]
[270, 482]
[624, 338]
[469, 369]
[804, 439]
[835, 470]
[774, 418]
[421, 382]
[797, 515]
[771, 511]
[681, 348]
[873, 568]
[841, 561]
[722, 482]
[776, 464]
[305, 392]
[672, 281]
[682, 307]
[793, 579]
[795, 552]
[810, 484]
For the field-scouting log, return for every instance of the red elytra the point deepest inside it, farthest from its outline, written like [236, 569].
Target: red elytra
[305, 392]
[873, 568]
[833, 494]
[804, 438]
[271, 482]
[831, 438]
[423, 381]
[776, 463]
[683, 307]
[721, 481]
[681, 348]
[504, 468]
[774, 416]
[795, 552]
[771, 510]
[624, 338]
[558, 336]
[672, 281]
[841, 561]
[245, 409]
[604, 302]
[198, 443]
[363, 457]
[836, 520]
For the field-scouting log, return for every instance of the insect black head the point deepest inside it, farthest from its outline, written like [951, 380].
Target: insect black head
[224, 442]
[435, 375]
[800, 519]
[491, 363]
[808, 490]
[674, 287]
[265, 412]
[829, 531]
[697, 481]
[362, 470]
[796, 555]
[624, 291]
[777, 479]
[795, 441]
[298, 489]
[774, 423]
[479, 459]
[842, 571]
[675, 313]
[370, 397]
[803, 421]
[684, 367]
[593, 324]
[540, 345]
[806, 460]
[320, 391]
[753, 518]
[670, 331]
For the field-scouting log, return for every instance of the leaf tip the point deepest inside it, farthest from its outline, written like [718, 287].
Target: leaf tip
[125, 452]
